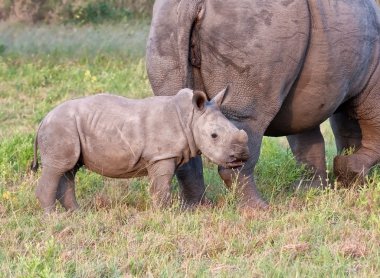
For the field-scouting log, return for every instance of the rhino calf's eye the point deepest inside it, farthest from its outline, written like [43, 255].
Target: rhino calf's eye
[214, 135]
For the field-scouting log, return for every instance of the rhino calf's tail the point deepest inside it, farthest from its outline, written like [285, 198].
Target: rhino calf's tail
[34, 165]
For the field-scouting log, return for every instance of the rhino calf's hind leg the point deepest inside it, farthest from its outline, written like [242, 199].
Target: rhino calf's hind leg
[46, 190]
[66, 191]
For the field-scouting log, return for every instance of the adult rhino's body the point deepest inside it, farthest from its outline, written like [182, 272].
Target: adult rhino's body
[291, 65]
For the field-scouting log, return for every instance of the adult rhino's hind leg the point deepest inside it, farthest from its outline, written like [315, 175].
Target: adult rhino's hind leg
[309, 149]
[346, 131]
[354, 167]
[191, 182]
[66, 191]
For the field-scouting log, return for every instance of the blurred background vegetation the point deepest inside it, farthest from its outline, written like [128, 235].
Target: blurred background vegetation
[74, 11]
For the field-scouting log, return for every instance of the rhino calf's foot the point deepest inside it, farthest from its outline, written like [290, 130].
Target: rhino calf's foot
[160, 201]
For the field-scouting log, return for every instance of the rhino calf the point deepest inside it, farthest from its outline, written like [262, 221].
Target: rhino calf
[123, 138]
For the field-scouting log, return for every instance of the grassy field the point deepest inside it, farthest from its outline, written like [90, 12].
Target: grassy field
[331, 233]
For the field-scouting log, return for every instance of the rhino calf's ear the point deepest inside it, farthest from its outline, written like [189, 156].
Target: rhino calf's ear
[199, 100]
[218, 99]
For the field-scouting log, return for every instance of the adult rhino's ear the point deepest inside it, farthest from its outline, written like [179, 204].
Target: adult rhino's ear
[218, 99]
[199, 100]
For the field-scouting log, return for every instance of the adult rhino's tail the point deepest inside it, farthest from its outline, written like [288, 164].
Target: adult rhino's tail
[189, 13]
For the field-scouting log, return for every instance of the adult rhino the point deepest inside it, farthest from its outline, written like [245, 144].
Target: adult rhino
[291, 65]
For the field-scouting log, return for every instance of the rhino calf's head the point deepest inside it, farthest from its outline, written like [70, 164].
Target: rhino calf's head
[215, 136]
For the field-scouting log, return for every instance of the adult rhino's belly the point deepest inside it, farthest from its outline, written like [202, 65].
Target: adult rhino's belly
[305, 109]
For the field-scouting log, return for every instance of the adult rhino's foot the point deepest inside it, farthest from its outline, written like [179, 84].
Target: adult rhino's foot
[251, 204]
[249, 197]
[192, 205]
[252, 207]
[350, 169]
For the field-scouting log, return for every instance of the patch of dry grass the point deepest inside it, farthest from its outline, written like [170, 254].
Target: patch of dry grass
[329, 234]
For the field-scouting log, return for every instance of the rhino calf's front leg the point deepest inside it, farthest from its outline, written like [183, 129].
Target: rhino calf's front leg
[161, 174]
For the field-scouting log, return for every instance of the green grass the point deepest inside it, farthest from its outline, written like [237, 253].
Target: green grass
[331, 233]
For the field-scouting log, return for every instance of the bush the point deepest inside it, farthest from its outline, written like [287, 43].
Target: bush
[78, 11]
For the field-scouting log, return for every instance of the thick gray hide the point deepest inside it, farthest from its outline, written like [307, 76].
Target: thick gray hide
[291, 64]
[122, 138]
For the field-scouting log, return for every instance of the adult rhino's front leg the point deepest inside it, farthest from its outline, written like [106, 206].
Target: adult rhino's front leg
[248, 195]
[191, 182]
[309, 149]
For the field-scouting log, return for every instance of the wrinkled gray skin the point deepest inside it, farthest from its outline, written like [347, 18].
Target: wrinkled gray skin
[123, 138]
[291, 65]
